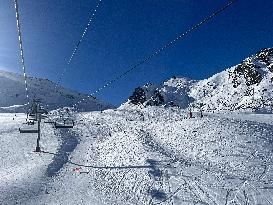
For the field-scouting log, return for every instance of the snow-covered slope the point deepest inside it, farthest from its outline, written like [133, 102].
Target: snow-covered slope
[139, 156]
[248, 85]
[13, 97]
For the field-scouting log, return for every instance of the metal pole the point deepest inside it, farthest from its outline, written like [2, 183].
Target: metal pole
[38, 149]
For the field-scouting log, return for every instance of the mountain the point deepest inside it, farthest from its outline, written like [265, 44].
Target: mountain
[13, 96]
[246, 86]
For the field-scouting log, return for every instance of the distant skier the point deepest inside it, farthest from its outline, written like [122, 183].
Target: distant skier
[142, 116]
[190, 114]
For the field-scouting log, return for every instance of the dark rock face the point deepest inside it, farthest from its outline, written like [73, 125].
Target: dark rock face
[265, 56]
[138, 96]
[250, 69]
[156, 100]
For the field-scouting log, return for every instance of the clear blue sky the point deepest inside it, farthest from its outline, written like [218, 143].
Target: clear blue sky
[125, 31]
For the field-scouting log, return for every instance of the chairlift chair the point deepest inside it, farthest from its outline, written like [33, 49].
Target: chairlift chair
[42, 111]
[30, 122]
[67, 123]
[29, 129]
[33, 118]
[49, 122]
[43, 116]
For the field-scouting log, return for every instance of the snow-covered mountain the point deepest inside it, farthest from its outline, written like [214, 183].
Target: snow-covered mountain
[13, 97]
[151, 155]
[246, 86]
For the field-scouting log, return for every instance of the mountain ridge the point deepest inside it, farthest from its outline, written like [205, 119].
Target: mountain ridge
[245, 86]
[13, 96]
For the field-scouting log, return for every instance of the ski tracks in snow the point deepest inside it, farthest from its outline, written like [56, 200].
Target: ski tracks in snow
[156, 156]
[176, 177]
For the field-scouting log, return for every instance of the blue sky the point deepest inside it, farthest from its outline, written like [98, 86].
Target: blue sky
[125, 31]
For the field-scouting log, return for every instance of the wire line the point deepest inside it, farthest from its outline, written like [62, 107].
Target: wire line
[144, 60]
[21, 48]
[79, 43]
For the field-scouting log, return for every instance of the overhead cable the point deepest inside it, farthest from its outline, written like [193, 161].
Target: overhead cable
[21, 48]
[147, 58]
[79, 43]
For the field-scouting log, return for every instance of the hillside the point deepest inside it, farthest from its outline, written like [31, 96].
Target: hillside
[13, 97]
[247, 86]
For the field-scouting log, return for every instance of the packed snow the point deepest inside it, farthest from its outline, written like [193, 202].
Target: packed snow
[153, 155]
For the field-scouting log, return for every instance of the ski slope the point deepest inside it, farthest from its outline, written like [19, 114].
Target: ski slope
[153, 155]
[52, 96]
[22, 170]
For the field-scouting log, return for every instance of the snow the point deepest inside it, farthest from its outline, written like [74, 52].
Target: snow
[139, 154]
[218, 93]
[21, 169]
[13, 96]
[152, 155]
[246, 87]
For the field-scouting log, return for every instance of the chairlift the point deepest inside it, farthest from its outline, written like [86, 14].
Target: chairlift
[30, 122]
[43, 116]
[42, 111]
[33, 118]
[29, 129]
[49, 122]
[67, 123]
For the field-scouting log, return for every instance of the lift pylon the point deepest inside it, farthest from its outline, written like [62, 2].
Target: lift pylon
[31, 127]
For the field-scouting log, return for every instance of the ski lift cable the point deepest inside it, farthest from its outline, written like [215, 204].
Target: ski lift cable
[21, 48]
[79, 43]
[171, 43]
